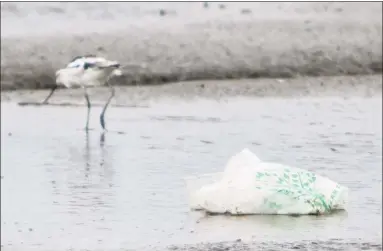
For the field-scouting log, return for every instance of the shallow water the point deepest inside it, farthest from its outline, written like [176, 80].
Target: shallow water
[62, 189]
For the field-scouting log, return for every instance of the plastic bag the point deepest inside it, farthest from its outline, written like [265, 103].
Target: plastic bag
[250, 186]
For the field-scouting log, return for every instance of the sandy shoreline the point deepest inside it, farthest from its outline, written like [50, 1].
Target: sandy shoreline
[341, 86]
[210, 50]
[284, 56]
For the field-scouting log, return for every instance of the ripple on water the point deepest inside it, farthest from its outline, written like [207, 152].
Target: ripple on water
[127, 190]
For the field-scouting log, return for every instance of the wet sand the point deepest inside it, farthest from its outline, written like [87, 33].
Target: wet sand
[341, 86]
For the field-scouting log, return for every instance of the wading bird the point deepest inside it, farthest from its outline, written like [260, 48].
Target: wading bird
[86, 71]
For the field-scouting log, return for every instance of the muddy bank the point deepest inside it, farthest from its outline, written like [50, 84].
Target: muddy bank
[342, 86]
[208, 50]
[332, 244]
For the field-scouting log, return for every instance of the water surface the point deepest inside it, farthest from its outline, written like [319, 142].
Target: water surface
[62, 188]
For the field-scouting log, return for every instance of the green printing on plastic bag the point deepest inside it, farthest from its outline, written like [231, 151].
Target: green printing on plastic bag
[298, 185]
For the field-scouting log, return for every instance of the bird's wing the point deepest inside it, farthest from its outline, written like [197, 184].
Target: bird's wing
[106, 63]
[80, 61]
[93, 62]
[75, 64]
[68, 76]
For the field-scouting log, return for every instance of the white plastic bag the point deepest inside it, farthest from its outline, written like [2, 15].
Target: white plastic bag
[250, 186]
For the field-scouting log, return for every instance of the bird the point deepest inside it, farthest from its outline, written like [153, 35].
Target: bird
[87, 71]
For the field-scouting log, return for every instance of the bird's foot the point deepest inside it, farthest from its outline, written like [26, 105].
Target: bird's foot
[104, 130]
[85, 130]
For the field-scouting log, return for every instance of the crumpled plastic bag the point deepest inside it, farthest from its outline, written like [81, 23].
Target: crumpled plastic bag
[250, 186]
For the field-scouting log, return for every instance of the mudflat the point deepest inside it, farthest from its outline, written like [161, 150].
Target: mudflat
[343, 39]
[342, 86]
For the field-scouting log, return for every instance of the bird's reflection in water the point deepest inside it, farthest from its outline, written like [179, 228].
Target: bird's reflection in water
[102, 140]
[93, 190]
[89, 158]
[102, 148]
[87, 155]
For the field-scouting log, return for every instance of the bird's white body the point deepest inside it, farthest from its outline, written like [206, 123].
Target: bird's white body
[86, 71]
[75, 74]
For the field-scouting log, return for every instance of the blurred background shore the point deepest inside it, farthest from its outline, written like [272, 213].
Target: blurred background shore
[172, 42]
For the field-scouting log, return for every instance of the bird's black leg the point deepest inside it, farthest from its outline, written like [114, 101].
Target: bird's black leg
[102, 119]
[50, 94]
[89, 106]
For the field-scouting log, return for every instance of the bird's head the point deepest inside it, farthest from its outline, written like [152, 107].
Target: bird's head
[87, 65]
